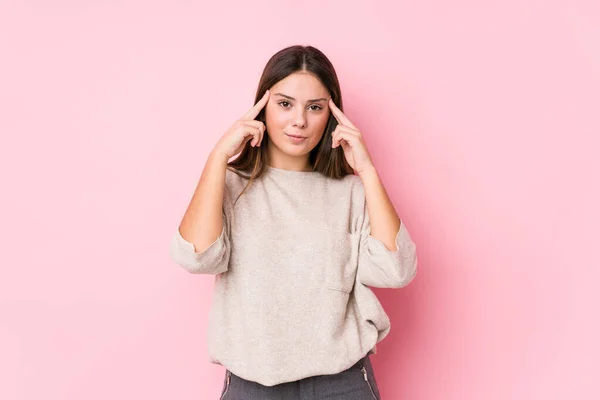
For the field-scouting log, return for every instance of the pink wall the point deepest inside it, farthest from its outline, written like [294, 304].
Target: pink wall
[483, 121]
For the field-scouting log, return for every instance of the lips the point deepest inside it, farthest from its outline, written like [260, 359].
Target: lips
[296, 136]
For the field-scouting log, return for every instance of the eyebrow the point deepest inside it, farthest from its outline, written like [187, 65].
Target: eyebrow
[309, 101]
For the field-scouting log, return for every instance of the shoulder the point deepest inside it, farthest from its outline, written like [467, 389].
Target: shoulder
[234, 184]
[232, 178]
[354, 184]
[351, 187]
[352, 198]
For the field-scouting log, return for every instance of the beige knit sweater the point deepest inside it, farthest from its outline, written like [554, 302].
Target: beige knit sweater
[293, 266]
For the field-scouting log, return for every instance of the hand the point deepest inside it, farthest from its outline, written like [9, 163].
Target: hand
[243, 130]
[349, 137]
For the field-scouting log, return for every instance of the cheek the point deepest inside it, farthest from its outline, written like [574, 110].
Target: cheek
[319, 124]
[275, 117]
[320, 121]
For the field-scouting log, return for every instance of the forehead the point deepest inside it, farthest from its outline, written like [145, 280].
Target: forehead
[301, 85]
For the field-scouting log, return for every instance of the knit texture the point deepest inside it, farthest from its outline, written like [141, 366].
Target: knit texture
[293, 268]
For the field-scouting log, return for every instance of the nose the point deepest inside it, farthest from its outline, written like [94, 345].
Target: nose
[299, 119]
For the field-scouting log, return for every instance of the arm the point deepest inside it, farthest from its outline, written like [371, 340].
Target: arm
[201, 244]
[388, 254]
[384, 220]
[202, 223]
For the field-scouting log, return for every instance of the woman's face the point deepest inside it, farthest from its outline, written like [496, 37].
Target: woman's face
[297, 107]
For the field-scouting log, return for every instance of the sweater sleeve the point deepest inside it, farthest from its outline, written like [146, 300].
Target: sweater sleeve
[215, 258]
[380, 267]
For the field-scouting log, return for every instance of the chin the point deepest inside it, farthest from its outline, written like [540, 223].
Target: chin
[296, 151]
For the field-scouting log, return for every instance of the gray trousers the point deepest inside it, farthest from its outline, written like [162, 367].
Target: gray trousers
[356, 383]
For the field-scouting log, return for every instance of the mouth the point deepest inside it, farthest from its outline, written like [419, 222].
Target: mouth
[296, 138]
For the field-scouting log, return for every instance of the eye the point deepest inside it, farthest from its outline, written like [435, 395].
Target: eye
[318, 107]
[282, 102]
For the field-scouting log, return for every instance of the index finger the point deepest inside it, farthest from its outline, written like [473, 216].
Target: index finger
[340, 116]
[253, 112]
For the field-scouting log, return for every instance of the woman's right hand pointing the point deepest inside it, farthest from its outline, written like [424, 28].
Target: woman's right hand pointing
[243, 130]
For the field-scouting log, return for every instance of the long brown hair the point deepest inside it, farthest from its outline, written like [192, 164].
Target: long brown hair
[252, 161]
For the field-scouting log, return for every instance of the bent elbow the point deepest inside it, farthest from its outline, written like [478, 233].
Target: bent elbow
[213, 260]
[407, 272]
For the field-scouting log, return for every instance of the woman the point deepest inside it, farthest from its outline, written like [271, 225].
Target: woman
[295, 230]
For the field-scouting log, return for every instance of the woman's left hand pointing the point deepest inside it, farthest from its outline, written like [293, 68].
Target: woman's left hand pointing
[349, 137]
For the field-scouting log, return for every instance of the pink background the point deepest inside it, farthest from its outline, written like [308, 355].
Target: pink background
[483, 121]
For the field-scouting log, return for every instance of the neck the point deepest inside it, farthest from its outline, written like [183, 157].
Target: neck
[290, 163]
